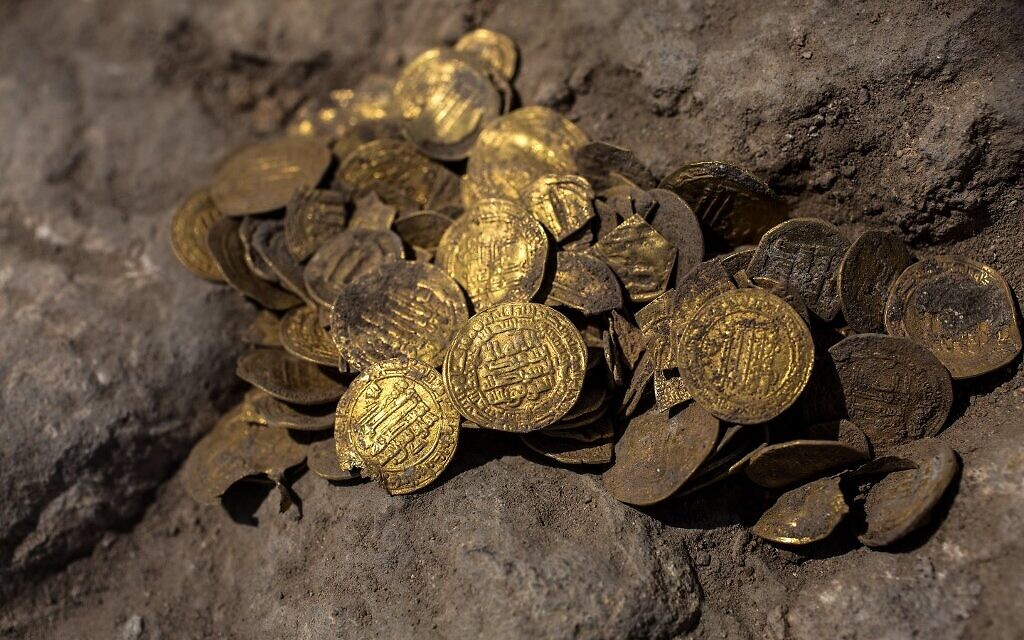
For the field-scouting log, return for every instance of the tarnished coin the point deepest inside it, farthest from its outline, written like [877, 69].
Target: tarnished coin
[736, 206]
[496, 251]
[444, 99]
[676, 222]
[271, 412]
[895, 390]
[804, 515]
[584, 283]
[227, 250]
[262, 177]
[902, 501]
[263, 331]
[669, 391]
[746, 356]
[346, 257]
[189, 228]
[249, 227]
[496, 50]
[235, 449]
[657, 454]
[312, 217]
[516, 149]
[303, 335]
[422, 229]
[370, 213]
[362, 133]
[796, 461]
[640, 256]
[562, 203]
[605, 165]
[960, 309]
[398, 420]
[404, 308]
[782, 289]
[806, 253]
[400, 175]
[268, 242]
[516, 367]
[570, 451]
[322, 459]
[870, 266]
[288, 378]
[736, 261]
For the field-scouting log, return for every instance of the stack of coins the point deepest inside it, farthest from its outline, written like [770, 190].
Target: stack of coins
[428, 260]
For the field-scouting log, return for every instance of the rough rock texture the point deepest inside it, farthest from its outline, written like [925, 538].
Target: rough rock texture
[902, 116]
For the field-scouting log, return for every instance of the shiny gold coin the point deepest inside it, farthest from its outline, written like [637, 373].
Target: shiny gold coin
[960, 309]
[404, 308]
[227, 249]
[444, 99]
[870, 266]
[732, 203]
[262, 177]
[189, 228]
[312, 217]
[322, 459]
[303, 335]
[400, 175]
[288, 378]
[422, 229]
[797, 461]
[702, 283]
[263, 331]
[496, 251]
[746, 356]
[657, 454]
[606, 165]
[372, 214]
[516, 149]
[496, 50]
[804, 515]
[346, 257]
[516, 367]
[331, 117]
[268, 411]
[562, 203]
[640, 256]
[584, 283]
[397, 419]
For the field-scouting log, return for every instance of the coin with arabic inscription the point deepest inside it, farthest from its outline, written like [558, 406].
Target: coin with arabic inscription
[562, 203]
[640, 256]
[804, 515]
[303, 335]
[494, 49]
[346, 257]
[700, 284]
[400, 175]
[189, 228]
[870, 266]
[288, 378]
[311, 217]
[227, 250]
[584, 283]
[262, 177]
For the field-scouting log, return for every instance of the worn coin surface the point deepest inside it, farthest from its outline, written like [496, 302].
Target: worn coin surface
[494, 49]
[584, 283]
[189, 229]
[400, 175]
[311, 217]
[496, 251]
[322, 459]
[263, 177]
[303, 335]
[657, 453]
[404, 308]
[804, 515]
[399, 422]
[346, 257]
[795, 461]
[669, 391]
[960, 309]
[702, 283]
[373, 214]
[806, 253]
[268, 242]
[268, 411]
[516, 367]
[562, 203]
[895, 390]
[640, 256]
[288, 378]
[676, 222]
[263, 331]
[569, 450]
[870, 266]
[227, 250]
[746, 356]
[736, 261]
[605, 165]
[422, 229]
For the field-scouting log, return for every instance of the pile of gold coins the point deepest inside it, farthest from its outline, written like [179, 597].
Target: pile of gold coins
[429, 259]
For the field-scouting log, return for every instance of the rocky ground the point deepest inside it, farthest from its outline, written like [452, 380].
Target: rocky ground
[113, 359]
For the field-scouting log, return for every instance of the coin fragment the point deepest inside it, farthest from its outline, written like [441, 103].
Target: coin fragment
[640, 256]
[189, 229]
[870, 266]
[226, 248]
[346, 257]
[288, 378]
[311, 217]
[262, 177]
[372, 214]
[303, 335]
[270, 412]
[584, 283]
[604, 165]
[322, 459]
[400, 175]
[496, 50]
[788, 463]
[562, 203]
[804, 515]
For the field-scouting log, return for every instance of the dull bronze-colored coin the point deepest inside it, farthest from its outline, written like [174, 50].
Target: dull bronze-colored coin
[570, 451]
[226, 248]
[736, 261]
[249, 228]
[960, 309]
[804, 515]
[444, 99]
[870, 266]
[496, 50]
[422, 229]
[262, 177]
[562, 203]
[400, 175]
[312, 217]
[746, 356]
[268, 242]
[303, 335]
[797, 461]
[676, 222]
[372, 214]
[584, 283]
[398, 421]
[268, 411]
[640, 256]
[404, 308]
[895, 390]
[782, 289]
[496, 251]
[657, 454]
[263, 331]
[605, 165]
[902, 501]
[345, 258]
[189, 228]
[322, 459]
[806, 253]
[732, 203]
[288, 378]
[516, 367]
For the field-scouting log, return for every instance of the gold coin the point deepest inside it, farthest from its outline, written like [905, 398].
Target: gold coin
[797, 461]
[262, 177]
[288, 378]
[444, 99]
[400, 175]
[322, 459]
[303, 335]
[736, 261]
[263, 331]
[268, 242]
[584, 283]
[268, 411]
[669, 391]
[370, 213]
[422, 229]
[960, 309]
[399, 422]
[516, 149]
[516, 367]
[404, 308]
[364, 132]
[870, 266]
[676, 222]
[746, 356]
[571, 451]
[640, 256]
[562, 203]
[606, 166]
[496, 50]
[702, 283]
[227, 249]
[331, 117]
[312, 217]
[249, 227]
[346, 257]
[496, 251]
[189, 228]
[804, 515]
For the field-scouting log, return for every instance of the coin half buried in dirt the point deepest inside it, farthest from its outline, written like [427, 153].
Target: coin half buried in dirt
[302, 335]
[189, 228]
[496, 251]
[562, 203]
[404, 308]
[788, 463]
[262, 177]
[322, 459]
[311, 218]
[584, 283]
[871, 265]
[288, 378]
[268, 411]
[235, 449]
[804, 515]
[398, 421]
[494, 49]
[516, 367]
[895, 390]
[746, 356]
[227, 249]
[960, 309]
[640, 256]
[345, 258]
